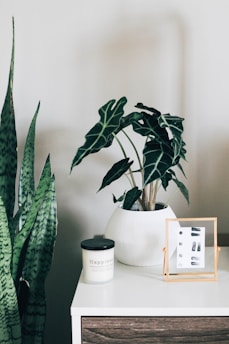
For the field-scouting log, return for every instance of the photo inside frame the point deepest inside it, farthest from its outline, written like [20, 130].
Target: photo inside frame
[191, 251]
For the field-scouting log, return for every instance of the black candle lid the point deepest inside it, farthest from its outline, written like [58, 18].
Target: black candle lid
[97, 244]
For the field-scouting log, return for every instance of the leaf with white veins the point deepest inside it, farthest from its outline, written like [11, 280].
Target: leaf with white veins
[116, 171]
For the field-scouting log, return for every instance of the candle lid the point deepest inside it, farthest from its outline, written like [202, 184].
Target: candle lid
[97, 244]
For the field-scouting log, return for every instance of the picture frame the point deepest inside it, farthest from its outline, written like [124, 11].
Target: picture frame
[191, 252]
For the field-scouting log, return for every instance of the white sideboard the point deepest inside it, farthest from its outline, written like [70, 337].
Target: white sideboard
[138, 305]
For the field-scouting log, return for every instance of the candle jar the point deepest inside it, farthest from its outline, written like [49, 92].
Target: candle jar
[98, 260]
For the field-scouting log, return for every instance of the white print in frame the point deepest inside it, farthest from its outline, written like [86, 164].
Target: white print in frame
[191, 248]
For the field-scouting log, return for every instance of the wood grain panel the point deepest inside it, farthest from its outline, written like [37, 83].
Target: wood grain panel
[138, 330]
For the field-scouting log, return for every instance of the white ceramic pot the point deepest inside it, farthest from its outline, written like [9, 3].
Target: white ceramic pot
[140, 235]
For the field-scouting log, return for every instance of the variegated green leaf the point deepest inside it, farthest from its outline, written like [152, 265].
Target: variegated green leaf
[116, 171]
[37, 264]
[101, 135]
[10, 328]
[23, 234]
[31, 231]
[8, 146]
[26, 178]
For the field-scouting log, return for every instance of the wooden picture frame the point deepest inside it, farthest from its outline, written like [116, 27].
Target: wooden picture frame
[191, 251]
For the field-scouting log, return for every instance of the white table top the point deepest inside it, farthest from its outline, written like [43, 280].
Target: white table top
[144, 292]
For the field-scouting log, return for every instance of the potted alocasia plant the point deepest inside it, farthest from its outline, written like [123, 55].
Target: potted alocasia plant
[163, 151]
[27, 231]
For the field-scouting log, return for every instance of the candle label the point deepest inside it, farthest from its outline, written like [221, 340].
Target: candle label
[98, 266]
[102, 263]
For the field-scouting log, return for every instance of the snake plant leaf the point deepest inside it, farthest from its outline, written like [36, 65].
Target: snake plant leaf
[156, 161]
[131, 197]
[101, 135]
[22, 296]
[22, 236]
[10, 328]
[116, 171]
[37, 265]
[8, 145]
[26, 177]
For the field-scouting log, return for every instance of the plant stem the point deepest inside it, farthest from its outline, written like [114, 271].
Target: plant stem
[135, 149]
[141, 202]
[153, 194]
[124, 153]
[144, 198]
[151, 203]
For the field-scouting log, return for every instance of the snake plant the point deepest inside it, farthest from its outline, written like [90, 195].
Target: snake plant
[163, 149]
[27, 231]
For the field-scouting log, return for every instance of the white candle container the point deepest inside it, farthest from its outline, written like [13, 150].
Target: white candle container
[98, 260]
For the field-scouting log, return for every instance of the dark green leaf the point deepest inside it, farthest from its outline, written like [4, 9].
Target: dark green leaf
[8, 145]
[175, 126]
[156, 161]
[133, 117]
[116, 171]
[120, 199]
[148, 126]
[101, 135]
[144, 107]
[131, 197]
[182, 188]
[167, 177]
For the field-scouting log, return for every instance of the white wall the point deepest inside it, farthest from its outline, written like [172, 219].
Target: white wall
[74, 56]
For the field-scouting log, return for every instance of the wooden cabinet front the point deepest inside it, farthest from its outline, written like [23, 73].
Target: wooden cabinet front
[138, 330]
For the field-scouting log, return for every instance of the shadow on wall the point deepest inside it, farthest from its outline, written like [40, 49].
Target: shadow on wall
[212, 186]
[62, 280]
